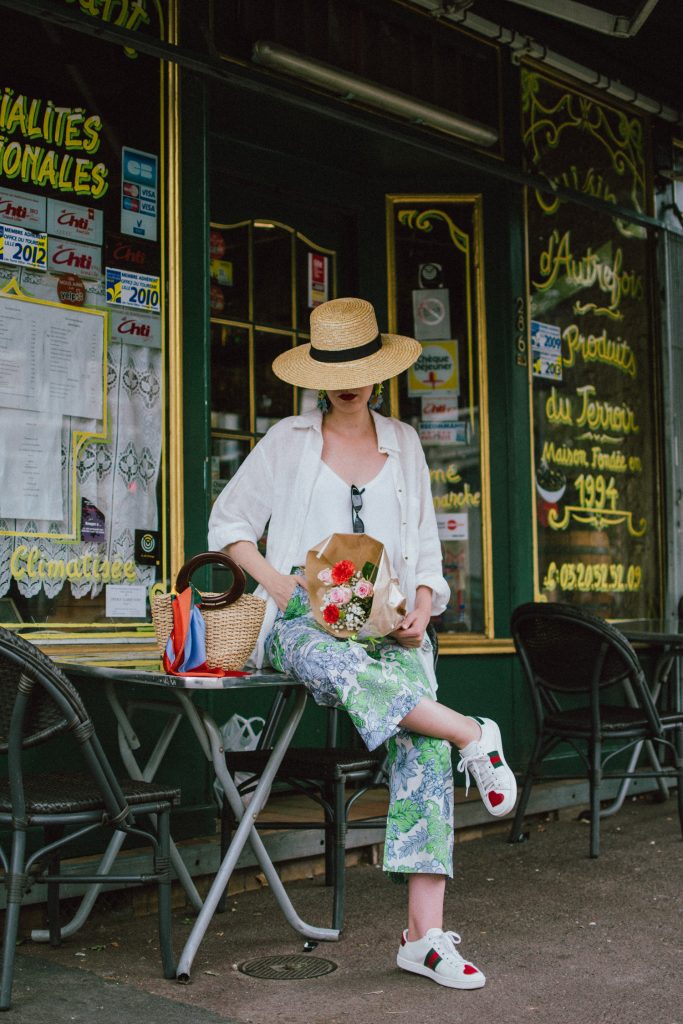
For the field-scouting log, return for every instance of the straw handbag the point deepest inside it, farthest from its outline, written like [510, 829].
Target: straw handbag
[233, 619]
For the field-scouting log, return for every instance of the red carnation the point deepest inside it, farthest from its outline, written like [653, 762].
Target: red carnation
[342, 572]
[331, 614]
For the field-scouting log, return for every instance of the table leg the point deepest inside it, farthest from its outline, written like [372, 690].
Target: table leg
[246, 831]
[662, 669]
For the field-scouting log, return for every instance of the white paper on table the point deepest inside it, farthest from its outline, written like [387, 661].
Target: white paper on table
[30, 465]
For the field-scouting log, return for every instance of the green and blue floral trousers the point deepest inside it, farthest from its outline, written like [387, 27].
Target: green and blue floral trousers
[378, 685]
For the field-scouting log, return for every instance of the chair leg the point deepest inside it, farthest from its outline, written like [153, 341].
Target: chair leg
[15, 892]
[163, 868]
[527, 786]
[678, 755]
[595, 783]
[339, 897]
[52, 834]
[330, 797]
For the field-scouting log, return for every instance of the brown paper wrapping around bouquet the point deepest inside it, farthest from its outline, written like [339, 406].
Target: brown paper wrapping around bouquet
[388, 603]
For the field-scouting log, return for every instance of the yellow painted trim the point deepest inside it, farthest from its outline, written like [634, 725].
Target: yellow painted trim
[453, 644]
[175, 310]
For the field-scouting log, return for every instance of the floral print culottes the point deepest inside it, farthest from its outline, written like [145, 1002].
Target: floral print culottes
[378, 686]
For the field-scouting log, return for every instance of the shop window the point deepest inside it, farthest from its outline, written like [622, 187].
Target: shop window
[82, 329]
[596, 441]
[436, 295]
[265, 279]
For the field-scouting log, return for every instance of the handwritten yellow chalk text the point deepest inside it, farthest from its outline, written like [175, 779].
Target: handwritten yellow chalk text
[592, 348]
[602, 578]
[32, 134]
[558, 261]
[466, 498]
[29, 563]
[591, 412]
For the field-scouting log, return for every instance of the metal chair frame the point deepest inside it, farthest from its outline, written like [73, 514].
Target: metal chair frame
[39, 704]
[603, 660]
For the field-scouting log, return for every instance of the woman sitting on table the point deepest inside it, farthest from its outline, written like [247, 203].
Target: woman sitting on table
[300, 480]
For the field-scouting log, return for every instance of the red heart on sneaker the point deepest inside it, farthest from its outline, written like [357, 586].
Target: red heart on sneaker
[469, 969]
[496, 798]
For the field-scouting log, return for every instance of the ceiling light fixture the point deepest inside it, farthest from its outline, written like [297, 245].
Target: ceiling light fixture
[352, 87]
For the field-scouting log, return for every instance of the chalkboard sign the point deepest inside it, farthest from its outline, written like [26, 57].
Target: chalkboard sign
[593, 359]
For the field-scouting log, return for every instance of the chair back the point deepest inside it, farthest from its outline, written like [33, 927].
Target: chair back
[23, 668]
[37, 704]
[567, 648]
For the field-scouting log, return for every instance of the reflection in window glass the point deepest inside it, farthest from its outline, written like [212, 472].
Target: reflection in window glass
[274, 398]
[229, 272]
[227, 454]
[272, 270]
[315, 276]
[229, 377]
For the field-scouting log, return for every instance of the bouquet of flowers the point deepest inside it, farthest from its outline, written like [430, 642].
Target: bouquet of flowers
[352, 588]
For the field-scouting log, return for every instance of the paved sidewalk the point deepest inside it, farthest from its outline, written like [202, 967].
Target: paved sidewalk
[562, 939]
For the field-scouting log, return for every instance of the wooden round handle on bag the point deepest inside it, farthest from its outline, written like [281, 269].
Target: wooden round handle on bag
[239, 580]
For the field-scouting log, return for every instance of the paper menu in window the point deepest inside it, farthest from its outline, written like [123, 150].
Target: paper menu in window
[30, 465]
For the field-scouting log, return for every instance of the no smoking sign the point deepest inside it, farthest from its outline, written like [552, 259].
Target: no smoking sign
[431, 314]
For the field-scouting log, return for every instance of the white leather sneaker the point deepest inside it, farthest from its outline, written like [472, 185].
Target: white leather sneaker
[435, 956]
[483, 759]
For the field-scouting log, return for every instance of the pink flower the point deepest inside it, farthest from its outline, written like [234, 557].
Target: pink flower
[363, 589]
[325, 575]
[340, 595]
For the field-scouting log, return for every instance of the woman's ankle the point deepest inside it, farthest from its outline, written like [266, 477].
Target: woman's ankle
[471, 732]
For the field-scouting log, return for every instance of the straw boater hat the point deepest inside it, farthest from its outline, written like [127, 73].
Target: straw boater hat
[346, 349]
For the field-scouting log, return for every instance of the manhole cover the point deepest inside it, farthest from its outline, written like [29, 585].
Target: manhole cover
[287, 968]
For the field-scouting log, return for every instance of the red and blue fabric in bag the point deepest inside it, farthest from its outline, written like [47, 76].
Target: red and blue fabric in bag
[185, 653]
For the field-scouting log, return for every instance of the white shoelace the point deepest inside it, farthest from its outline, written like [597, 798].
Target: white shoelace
[450, 951]
[481, 767]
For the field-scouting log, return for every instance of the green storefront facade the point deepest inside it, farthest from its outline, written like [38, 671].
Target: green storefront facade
[515, 224]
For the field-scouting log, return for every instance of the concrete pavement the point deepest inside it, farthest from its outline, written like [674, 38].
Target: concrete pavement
[562, 939]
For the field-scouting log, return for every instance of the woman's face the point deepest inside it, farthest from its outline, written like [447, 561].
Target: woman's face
[350, 399]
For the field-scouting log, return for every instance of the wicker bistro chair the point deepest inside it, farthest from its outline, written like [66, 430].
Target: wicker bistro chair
[588, 689]
[322, 774]
[37, 705]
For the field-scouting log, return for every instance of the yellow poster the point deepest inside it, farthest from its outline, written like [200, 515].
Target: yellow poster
[436, 371]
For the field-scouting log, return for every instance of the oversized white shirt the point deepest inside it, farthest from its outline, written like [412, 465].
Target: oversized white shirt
[273, 487]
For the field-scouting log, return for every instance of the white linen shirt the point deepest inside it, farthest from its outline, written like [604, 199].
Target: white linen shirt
[273, 487]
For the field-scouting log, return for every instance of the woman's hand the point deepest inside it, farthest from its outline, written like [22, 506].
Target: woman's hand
[279, 587]
[282, 587]
[412, 630]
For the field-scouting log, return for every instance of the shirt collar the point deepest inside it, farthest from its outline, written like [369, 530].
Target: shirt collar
[387, 437]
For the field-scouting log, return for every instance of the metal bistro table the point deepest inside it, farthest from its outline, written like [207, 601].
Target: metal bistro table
[209, 737]
[665, 638]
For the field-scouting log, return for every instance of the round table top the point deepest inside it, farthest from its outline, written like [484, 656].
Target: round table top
[653, 631]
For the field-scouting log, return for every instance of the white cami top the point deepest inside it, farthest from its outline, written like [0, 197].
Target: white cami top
[330, 511]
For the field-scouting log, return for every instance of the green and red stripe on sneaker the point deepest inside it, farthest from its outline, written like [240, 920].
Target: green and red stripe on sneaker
[483, 759]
